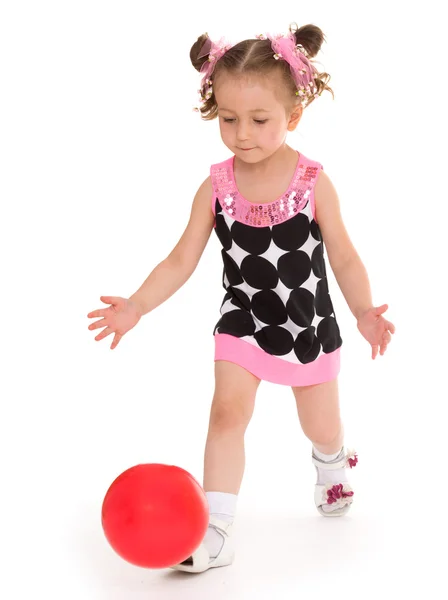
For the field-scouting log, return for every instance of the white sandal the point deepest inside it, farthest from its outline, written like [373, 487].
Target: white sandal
[335, 494]
[200, 560]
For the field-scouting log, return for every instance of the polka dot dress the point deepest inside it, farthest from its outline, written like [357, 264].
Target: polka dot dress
[277, 318]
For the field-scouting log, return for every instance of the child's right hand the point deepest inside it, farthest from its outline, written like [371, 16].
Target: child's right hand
[119, 318]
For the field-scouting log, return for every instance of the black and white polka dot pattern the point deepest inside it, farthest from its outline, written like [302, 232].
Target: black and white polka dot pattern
[277, 295]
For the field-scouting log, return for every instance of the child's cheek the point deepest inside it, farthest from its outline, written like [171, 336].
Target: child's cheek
[273, 135]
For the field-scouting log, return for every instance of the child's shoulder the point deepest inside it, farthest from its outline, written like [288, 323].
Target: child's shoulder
[309, 162]
[224, 164]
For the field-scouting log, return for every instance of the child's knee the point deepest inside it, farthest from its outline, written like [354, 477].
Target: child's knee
[228, 414]
[324, 433]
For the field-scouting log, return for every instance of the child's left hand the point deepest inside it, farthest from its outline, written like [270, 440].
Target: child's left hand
[376, 329]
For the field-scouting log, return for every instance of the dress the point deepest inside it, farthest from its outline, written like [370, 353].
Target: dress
[277, 318]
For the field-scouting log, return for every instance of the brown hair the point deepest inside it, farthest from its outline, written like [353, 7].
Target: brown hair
[256, 56]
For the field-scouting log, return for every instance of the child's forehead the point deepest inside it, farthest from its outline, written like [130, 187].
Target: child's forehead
[256, 93]
[247, 82]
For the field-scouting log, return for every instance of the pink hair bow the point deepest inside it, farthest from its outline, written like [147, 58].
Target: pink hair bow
[302, 70]
[215, 50]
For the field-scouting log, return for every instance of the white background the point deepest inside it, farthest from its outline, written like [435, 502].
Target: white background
[101, 155]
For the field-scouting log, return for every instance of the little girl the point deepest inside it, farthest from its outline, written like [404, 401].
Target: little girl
[272, 209]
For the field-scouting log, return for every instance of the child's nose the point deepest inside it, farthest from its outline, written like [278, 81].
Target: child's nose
[242, 131]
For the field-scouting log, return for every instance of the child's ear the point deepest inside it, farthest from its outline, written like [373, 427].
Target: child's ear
[295, 117]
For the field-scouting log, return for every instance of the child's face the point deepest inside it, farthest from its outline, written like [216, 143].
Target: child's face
[251, 116]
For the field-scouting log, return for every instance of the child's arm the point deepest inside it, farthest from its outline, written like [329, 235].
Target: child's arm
[171, 274]
[348, 268]
[345, 262]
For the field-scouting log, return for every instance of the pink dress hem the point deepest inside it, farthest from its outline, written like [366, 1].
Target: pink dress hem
[273, 369]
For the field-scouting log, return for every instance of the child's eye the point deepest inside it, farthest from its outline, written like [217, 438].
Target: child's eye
[258, 121]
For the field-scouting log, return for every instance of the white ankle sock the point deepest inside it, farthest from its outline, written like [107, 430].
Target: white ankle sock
[326, 457]
[223, 506]
[333, 476]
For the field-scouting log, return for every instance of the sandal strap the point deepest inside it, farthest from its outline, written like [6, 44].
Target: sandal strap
[200, 557]
[220, 525]
[331, 466]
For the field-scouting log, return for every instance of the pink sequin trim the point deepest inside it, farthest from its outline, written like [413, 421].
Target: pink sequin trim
[266, 214]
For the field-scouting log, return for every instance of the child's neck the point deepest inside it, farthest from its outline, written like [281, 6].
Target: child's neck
[273, 165]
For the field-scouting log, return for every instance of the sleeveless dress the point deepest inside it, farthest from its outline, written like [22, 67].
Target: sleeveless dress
[277, 318]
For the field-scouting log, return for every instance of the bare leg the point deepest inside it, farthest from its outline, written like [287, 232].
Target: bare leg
[224, 460]
[231, 411]
[319, 415]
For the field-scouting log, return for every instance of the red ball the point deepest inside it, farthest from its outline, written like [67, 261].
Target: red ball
[155, 515]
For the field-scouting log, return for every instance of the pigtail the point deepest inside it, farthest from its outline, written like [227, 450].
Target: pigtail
[309, 39]
[199, 55]
[200, 50]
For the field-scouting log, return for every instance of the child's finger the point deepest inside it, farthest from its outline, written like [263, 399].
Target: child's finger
[379, 310]
[109, 299]
[104, 334]
[97, 313]
[386, 340]
[116, 339]
[100, 323]
[374, 352]
[390, 326]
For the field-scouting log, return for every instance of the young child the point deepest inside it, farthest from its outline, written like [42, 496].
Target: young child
[272, 209]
